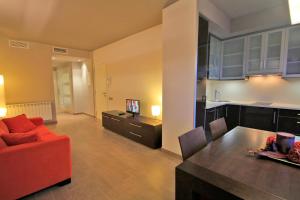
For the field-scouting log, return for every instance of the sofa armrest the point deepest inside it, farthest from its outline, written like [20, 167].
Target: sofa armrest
[37, 121]
[28, 168]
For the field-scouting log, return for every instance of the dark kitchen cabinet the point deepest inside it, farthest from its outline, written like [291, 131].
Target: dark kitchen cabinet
[258, 118]
[209, 117]
[200, 113]
[232, 116]
[289, 121]
[203, 45]
[220, 112]
[212, 114]
[289, 125]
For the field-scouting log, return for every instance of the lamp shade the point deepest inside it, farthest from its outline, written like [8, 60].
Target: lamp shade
[2, 98]
[155, 110]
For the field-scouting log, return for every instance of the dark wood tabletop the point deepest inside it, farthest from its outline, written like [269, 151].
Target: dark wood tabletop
[226, 164]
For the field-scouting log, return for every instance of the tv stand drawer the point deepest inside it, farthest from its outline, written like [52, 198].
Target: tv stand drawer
[141, 129]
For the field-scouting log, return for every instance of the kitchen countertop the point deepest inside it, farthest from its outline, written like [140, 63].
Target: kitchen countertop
[213, 104]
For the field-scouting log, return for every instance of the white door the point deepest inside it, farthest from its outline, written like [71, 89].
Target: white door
[64, 89]
[101, 85]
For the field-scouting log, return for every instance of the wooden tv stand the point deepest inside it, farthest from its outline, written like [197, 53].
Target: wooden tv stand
[141, 129]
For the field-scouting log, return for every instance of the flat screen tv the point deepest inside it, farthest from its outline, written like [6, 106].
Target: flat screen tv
[133, 106]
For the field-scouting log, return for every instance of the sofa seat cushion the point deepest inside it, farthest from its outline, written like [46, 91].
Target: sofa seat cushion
[19, 138]
[43, 133]
[2, 143]
[19, 124]
[3, 128]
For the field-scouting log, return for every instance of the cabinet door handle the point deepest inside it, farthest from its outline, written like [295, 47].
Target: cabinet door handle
[135, 125]
[298, 122]
[105, 117]
[274, 117]
[135, 134]
[298, 114]
[117, 120]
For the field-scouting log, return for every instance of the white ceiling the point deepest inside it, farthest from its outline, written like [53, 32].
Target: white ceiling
[237, 8]
[80, 24]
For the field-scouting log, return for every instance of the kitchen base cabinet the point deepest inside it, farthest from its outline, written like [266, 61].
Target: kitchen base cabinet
[210, 115]
[232, 116]
[289, 121]
[258, 118]
[289, 125]
[220, 112]
[262, 118]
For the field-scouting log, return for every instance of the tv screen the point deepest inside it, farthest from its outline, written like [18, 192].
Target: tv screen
[133, 106]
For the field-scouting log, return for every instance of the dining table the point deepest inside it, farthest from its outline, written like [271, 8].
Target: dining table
[224, 169]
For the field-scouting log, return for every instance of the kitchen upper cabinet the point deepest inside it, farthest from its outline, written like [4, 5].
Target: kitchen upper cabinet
[258, 118]
[203, 45]
[265, 52]
[233, 52]
[215, 46]
[273, 59]
[292, 53]
[254, 62]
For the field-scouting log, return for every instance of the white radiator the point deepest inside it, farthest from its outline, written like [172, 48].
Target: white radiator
[35, 109]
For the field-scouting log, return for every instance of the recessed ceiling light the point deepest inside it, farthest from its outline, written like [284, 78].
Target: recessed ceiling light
[294, 6]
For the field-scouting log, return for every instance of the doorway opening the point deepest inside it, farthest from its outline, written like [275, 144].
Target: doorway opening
[73, 85]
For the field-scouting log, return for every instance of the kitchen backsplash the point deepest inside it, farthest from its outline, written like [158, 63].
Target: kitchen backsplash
[261, 88]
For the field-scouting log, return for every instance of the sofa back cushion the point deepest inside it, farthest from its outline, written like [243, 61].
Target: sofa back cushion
[19, 124]
[2, 143]
[19, 138]
[3, 128]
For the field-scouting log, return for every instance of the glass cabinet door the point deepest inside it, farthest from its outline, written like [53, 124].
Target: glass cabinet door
[293, 52]
[273, 52]
[254, 54]
[214, 58]
[233, 59]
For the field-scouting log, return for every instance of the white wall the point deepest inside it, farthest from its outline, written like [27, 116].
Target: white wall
[265, 89]
[133, 67]
[273, 17]
[214, 14]
[180, 28]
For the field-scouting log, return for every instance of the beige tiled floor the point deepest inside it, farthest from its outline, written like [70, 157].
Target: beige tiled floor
[108, 166]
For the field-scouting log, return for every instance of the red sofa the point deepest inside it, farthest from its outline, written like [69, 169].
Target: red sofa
[30, 167]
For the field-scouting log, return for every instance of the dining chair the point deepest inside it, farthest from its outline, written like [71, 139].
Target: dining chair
[191, 142]
[218, 128]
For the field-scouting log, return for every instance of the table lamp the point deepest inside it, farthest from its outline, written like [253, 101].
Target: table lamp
[155, 111]
[3, 109]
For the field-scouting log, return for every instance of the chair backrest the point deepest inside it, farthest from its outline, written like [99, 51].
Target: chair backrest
[218, 128]
[192, 141]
